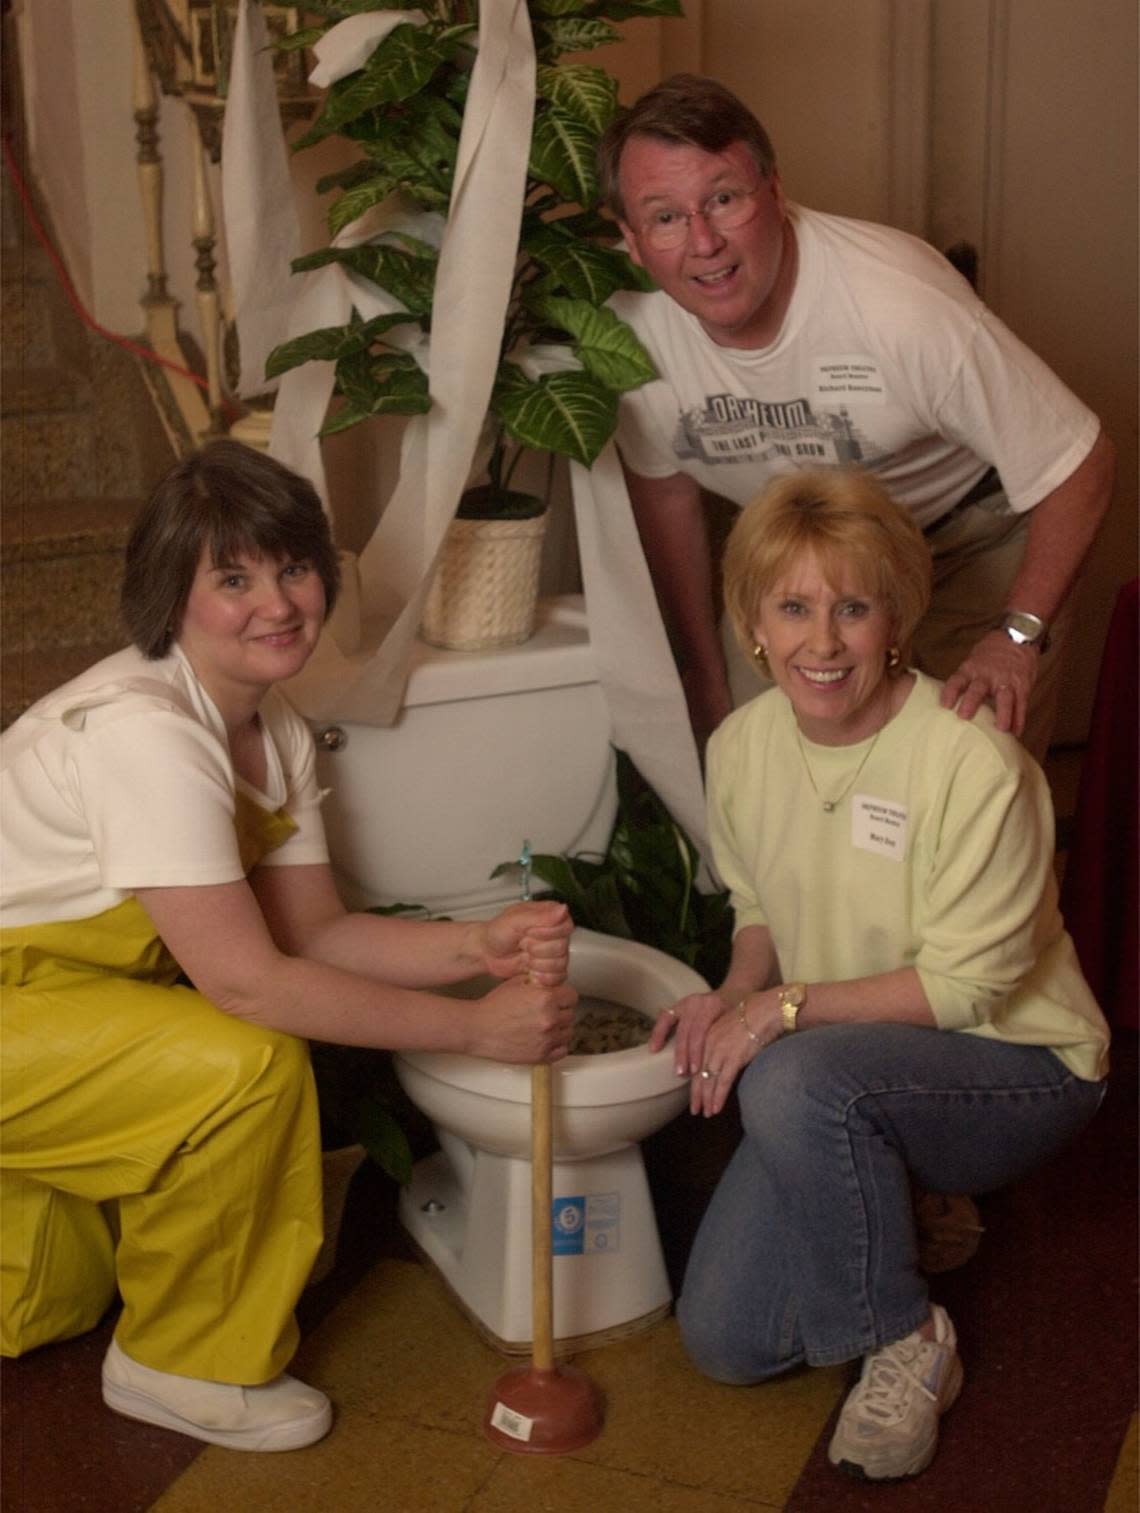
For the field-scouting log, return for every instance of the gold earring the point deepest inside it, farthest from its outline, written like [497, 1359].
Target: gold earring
[894, 657]
[761, 655]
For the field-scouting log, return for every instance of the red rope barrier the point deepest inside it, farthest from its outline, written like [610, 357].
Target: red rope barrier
[134, 347]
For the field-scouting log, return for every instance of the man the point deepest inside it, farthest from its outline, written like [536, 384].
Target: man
[784, 337]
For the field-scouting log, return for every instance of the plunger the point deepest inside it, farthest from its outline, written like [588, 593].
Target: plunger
[543, 1408]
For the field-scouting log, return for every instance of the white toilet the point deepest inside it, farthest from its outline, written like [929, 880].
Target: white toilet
[493, 749]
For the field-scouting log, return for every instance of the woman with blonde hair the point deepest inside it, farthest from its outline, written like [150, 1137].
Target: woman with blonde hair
[902, 1001]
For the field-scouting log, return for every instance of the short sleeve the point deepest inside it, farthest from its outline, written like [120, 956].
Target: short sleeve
[297, 751]
[645, 448]
[1007, 405]
[156, 789]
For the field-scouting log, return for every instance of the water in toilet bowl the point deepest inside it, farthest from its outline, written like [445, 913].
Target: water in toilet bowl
[601, 1026]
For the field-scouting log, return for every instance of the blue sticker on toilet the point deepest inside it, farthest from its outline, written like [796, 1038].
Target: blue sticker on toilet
[586, 1225]
[569, 1216]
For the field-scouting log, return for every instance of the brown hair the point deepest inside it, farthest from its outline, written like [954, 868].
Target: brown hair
[848, 519]
[689, 111]
[228, 500]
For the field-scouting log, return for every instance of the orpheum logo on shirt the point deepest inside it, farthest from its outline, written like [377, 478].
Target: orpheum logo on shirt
[733, 428]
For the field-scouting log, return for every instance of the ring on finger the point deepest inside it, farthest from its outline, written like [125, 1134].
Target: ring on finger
[706, 1074]
[671, 1011]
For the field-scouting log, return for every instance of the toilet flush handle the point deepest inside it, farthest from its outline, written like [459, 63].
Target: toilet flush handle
[332, 738]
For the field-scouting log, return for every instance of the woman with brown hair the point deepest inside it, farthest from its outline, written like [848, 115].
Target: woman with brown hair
[172, 938]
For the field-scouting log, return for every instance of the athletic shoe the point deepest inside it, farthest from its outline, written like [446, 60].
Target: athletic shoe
[282, 1415]
[889, 1424]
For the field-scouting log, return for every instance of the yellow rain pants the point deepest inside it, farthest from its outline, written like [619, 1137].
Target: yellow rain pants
[128, 1097]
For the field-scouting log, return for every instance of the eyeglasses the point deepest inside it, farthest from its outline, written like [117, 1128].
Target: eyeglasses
[724, 211]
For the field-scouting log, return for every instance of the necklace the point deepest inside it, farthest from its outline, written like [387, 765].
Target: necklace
[829, 804]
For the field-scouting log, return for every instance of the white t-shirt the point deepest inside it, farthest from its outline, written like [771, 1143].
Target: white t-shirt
[886, 359]
[122, 779]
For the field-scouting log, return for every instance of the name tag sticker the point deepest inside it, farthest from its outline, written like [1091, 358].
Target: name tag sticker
[878, 825]
[848, 378]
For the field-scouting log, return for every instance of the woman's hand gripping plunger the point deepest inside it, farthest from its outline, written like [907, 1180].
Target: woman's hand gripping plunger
[532, 1013]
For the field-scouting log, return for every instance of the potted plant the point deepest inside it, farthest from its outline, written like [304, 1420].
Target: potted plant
[564, 358]
[645, 885]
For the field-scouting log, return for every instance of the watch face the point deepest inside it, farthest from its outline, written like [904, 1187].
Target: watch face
[1024, 627]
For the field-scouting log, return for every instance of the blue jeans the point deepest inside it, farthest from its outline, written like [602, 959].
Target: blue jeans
[807, 1251]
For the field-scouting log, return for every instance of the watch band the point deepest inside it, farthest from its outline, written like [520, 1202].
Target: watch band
[791, 998]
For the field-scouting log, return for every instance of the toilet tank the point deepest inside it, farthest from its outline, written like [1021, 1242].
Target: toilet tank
[491, 749]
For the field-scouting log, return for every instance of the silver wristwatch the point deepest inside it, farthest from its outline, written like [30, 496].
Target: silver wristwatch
[1025, 629]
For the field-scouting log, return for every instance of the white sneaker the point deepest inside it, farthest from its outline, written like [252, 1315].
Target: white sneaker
[282, 1415]
[889, 1423]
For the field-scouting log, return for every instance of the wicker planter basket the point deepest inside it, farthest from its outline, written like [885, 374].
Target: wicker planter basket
[485, 589]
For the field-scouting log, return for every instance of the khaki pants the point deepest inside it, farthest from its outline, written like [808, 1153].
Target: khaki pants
[976, 553]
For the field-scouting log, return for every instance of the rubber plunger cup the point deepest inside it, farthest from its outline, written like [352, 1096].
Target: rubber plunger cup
[543, 1408]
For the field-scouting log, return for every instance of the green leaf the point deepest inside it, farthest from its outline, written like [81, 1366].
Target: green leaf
[569, 413]
[606, 346]
[336, 10]
[330, 343]
[585, 270]
[293, 42]
[347, 178]
[561, 7]
[604, 903]
[572, 35]
[378, 1130]
[391, 384]
[343, 419]
[622, 10]
[562, 154]
[401, 65]
[409, 277]
[588, 94]
[558, 872]
[355, 201]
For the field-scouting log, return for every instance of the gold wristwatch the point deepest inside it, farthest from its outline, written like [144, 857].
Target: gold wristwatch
[792, 997]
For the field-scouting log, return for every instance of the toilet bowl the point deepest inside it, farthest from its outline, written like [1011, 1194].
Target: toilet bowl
[468, 1207]
[491, 750]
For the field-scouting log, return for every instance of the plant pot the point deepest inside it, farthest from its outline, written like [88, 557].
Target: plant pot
[485, 591]
[338, 1167]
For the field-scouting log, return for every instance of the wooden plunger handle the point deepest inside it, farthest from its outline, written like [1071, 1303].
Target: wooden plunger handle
[541, 1192]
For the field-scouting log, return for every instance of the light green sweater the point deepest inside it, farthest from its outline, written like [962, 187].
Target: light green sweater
[938, 857]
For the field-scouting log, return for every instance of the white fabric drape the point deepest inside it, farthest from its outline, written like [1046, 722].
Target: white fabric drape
[261, 225]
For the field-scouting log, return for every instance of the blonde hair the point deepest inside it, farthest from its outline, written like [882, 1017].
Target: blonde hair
[849, 520]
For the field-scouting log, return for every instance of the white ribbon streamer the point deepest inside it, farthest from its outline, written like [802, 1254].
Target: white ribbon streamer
[473, 280]
[261, 227]
[349, 44]
[632, 655]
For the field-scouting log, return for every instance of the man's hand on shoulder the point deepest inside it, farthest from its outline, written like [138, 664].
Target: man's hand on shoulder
[997, 672]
